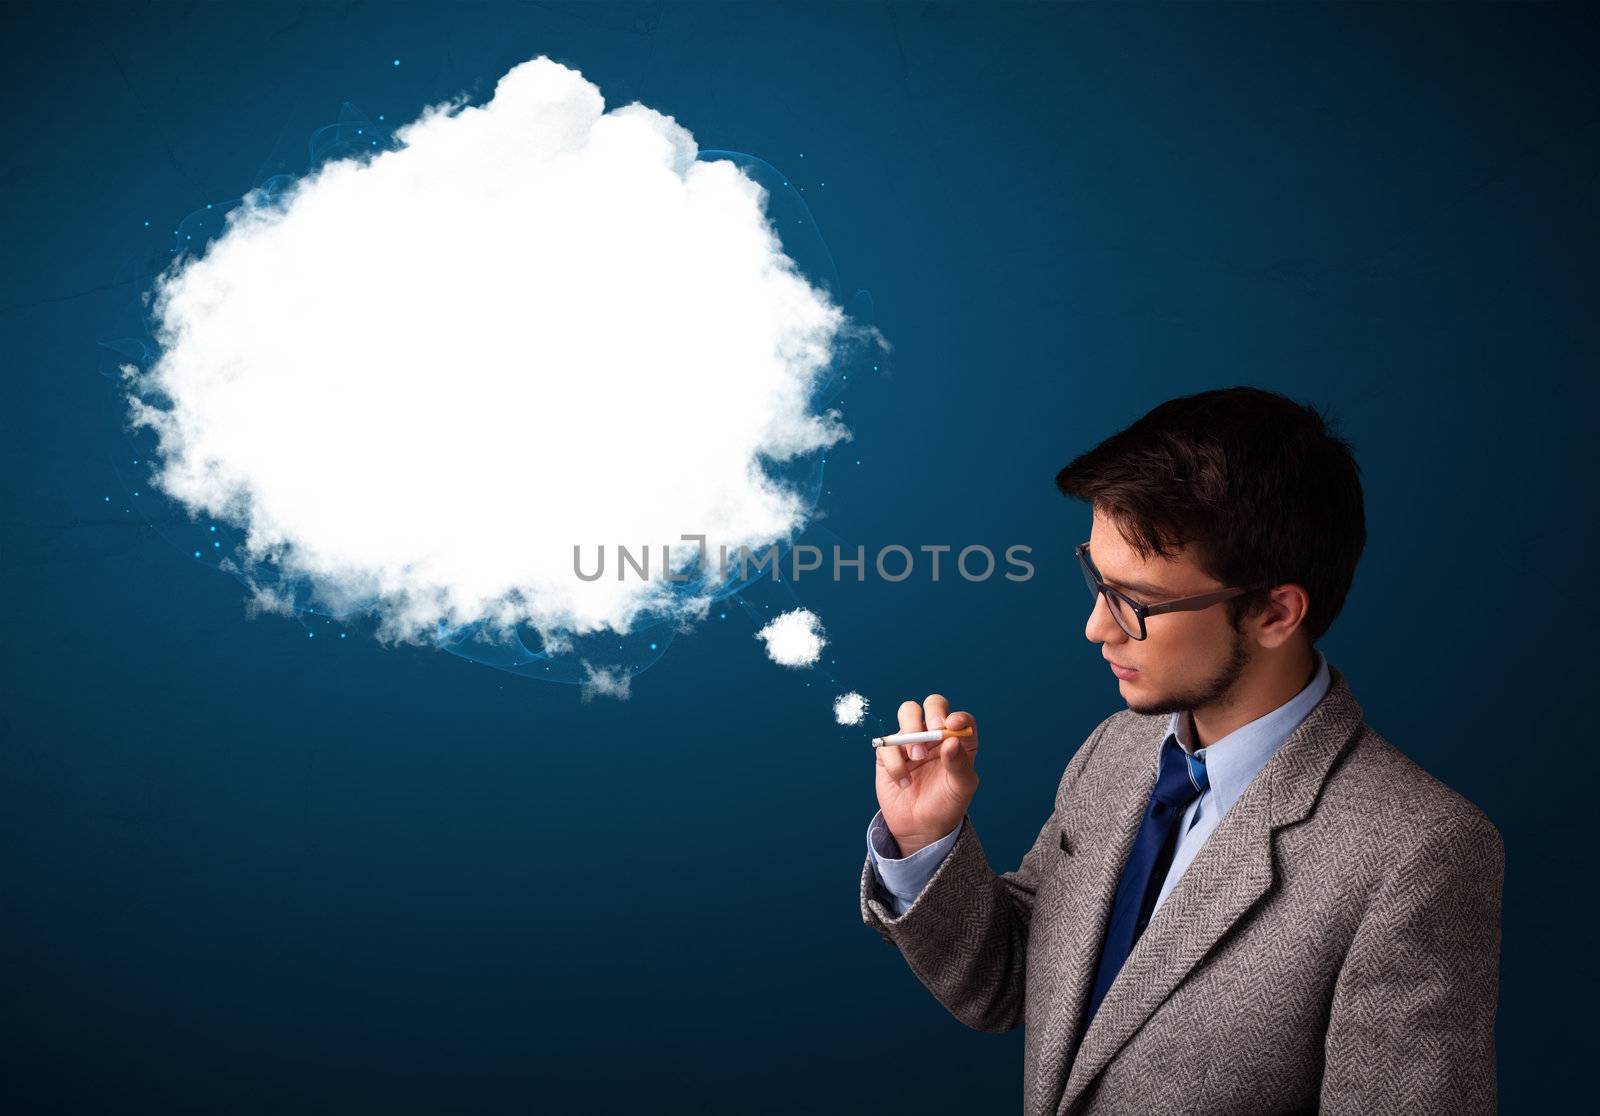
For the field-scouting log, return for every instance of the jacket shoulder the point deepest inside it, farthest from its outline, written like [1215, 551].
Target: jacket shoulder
[1380, 789]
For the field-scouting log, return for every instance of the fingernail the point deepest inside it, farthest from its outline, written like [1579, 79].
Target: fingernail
[918, 752]
[904, 782]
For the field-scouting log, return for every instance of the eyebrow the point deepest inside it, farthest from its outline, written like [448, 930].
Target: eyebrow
[1144, 589]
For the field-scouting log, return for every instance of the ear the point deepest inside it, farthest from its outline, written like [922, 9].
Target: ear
[1285, 610]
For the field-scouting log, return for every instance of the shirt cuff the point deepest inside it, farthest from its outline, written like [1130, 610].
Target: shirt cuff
[904, 877]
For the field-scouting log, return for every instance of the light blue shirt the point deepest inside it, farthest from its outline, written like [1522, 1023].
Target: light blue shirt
[1231, 763]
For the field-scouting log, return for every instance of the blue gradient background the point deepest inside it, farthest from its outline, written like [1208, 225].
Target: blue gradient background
[248, 872]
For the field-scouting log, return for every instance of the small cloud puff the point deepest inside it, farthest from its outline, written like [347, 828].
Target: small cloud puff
[794, 639]
[611, 682]
[849, 709]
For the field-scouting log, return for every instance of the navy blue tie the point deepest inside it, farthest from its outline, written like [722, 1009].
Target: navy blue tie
[1179, 782]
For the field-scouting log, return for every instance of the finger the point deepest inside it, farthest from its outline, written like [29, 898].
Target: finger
[934, 708]
[893, 757]
[910, 714]
[960, 720]
[910, 717]
[893, 762]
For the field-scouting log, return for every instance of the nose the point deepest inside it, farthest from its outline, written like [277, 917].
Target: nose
[1102, 626]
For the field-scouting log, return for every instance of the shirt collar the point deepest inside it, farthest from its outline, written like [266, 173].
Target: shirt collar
[1233, 760]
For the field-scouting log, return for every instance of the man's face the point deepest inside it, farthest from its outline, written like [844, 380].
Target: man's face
[1187, 660]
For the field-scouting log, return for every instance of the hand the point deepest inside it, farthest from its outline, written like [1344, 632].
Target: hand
[924, 789]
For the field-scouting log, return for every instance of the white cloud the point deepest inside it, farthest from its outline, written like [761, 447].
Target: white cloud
[849, 709]
[612, 682]
[794, 639]
[418, 380]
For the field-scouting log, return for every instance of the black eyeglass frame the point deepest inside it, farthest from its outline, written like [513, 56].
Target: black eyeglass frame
[1098, 586]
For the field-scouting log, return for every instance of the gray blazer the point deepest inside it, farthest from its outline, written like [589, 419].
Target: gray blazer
[1335, 944]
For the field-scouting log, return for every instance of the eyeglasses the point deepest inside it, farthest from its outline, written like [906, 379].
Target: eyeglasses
[1130, 614]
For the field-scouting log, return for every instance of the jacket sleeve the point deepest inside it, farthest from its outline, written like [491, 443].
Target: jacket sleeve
[1412, 1022]
[966, 935]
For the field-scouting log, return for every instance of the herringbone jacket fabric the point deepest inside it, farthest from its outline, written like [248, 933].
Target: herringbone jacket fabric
[1335, 944]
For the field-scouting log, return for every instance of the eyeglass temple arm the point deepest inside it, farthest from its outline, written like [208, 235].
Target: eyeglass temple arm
[1192, 604]
[1182, 604]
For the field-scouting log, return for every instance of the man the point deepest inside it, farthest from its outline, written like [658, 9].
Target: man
[1245, 900]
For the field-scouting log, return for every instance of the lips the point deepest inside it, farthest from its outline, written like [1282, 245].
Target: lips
[1121, 671]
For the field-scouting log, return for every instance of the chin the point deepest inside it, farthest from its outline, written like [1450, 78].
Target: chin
[1146, 704]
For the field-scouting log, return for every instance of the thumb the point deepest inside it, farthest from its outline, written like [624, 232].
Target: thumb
[956, 763]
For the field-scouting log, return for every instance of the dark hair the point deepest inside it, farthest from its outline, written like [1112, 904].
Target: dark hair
[1250, 479]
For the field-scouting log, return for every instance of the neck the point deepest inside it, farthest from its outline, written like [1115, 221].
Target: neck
[1269, 681]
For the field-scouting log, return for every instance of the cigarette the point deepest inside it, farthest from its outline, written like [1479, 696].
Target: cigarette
[919, 737]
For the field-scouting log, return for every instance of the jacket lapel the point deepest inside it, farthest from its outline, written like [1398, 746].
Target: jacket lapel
[1077, 920]
[1232, 871]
